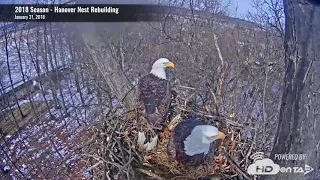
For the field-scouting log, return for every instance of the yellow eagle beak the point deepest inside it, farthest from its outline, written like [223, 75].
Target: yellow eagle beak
[170, 64]
[220, 135]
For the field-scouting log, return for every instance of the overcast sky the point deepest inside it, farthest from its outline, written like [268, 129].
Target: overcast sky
[243, 5]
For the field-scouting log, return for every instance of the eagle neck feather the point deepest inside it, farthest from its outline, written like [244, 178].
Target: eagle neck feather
[159, 72]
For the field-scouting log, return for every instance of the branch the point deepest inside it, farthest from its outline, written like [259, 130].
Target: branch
[234, 164]
[214, 117]
[223, 66]
[151, 174]
[216, 106]
[94, 166]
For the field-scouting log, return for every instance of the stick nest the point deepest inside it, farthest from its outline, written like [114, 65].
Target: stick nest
[118, 156]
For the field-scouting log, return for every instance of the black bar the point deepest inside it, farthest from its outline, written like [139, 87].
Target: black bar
[82, 13]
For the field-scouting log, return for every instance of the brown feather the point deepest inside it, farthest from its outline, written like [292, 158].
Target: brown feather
[154, 97]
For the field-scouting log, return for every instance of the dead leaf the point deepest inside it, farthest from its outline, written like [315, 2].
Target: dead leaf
[166, 133]
[126, 133]
[147, 158]
[204, 109]
[218, 159]
[132, 116]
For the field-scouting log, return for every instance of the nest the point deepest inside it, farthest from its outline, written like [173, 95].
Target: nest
[125, 160]
[229, 163]
[223, 165]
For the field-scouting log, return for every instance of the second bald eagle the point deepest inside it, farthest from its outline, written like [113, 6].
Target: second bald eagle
[191, 141]
[155, 92]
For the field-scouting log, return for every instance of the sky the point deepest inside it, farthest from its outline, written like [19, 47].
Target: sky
[243, 7]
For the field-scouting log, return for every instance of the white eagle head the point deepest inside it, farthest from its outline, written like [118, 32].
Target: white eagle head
[158, 67]
[211, 133]
[200, 139]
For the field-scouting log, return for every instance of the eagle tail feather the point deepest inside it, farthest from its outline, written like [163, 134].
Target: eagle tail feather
[154, 121]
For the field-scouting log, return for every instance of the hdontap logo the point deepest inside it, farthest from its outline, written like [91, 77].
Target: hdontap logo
[266, 166]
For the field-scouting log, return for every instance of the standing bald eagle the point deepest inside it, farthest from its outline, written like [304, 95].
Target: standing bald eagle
[154, 97]
[155, 93]
[191, 141]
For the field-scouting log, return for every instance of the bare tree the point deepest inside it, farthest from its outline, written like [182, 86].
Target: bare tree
[268, 14]
[108, 66]
[7, 38]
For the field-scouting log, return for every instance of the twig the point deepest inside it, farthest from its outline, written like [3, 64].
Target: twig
[264, 102]
[151, 174]
[234, 164]
[216, 106]
[251, 146]
[182, 98]
[94, 166]
[99, 158]
[187, 87]
[217, 118]
[223, 65]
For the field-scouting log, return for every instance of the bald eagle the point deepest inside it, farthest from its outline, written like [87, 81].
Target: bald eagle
[191, 141]
[155, 92]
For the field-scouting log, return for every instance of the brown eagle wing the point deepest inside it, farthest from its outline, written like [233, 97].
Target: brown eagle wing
[154, 94]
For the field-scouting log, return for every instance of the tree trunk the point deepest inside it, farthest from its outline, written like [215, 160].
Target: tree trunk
[299, 121]
[109, 68]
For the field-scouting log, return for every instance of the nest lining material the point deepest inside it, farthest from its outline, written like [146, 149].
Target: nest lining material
[159, 166]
